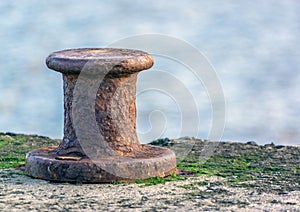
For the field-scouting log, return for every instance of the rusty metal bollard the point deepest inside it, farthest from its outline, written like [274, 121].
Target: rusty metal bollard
[99, 88]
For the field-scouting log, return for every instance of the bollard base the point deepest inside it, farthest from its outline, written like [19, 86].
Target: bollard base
[45, 164]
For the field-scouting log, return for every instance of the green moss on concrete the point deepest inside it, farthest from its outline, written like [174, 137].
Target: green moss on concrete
[13, 147]
[235, 166]
[241, 165]
[267, 167]
[159, 180]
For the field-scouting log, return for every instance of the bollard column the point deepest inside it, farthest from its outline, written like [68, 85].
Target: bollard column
[100, 143]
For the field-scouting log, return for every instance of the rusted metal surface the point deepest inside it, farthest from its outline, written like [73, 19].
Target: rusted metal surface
[125, 61]
[115, 115]
[44, 165]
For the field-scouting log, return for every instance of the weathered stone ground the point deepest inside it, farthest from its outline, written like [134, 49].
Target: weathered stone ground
[217, 176]
[21, 193]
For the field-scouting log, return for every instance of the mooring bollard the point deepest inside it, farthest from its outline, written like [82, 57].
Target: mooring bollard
[100, 143]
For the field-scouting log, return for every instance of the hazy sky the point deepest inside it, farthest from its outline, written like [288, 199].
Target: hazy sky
[253, 46]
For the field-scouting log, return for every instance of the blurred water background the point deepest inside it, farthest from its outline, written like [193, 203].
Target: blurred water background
[253, 46]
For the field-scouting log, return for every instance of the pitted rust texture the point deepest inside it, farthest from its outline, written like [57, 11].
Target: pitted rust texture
[47, 165]
[117, 125]
[115, 115]
[115, 109]
[123, 61]
[70, 143]
[99, 84]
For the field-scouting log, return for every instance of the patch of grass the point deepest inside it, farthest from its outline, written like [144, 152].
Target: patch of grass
[117, 182]
[202, 183]
[4, 142]
[240, 164]
[159, 180]
[295, 170]
[11, 161]
[238, 167]
[253, 170]
[13, 147]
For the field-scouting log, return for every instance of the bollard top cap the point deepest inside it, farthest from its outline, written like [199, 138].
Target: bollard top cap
[97, 60]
